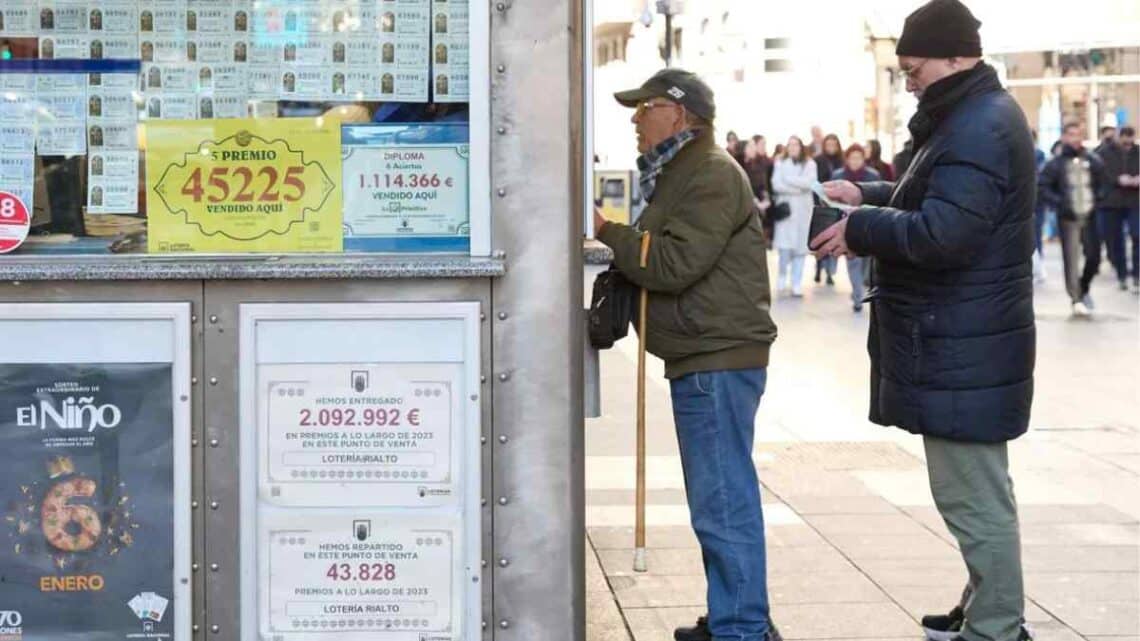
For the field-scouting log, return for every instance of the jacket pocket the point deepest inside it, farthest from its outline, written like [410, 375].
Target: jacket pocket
[683, 314]
[700, 307]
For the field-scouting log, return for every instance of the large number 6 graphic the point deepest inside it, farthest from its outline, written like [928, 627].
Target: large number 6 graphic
[71, 528]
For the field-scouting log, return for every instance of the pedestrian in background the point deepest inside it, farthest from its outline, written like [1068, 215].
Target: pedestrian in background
[757, 166]
[829, 161]
[1073, 184]
[855, 170]
[734, 147]
[1107, 138]
[1121, 206]
[791, 183]
[875, 160]
[1040, 214]
[952, 331]
[1102, 225]
[816, 141]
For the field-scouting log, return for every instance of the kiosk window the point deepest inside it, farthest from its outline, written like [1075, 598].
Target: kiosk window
[136, 127]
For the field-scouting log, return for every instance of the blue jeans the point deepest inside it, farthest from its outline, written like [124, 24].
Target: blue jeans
[1110, 223]
[715, 414]
[1114, 220]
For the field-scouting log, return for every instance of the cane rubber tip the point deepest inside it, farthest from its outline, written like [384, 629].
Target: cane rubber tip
[640, 564]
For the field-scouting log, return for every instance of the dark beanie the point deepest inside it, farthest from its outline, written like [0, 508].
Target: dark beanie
[940, 29]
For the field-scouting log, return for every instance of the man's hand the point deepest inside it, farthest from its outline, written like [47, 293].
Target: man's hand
[843, 191]
[832, 241]
[599, 221]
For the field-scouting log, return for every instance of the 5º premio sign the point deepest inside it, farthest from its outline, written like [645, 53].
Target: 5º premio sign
[244, 186]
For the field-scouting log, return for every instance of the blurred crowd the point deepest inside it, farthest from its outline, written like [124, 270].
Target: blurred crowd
[1087, 204]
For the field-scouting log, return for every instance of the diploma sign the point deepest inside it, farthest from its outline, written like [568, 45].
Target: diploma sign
[373, 432]
[406, 187]
[359, 576]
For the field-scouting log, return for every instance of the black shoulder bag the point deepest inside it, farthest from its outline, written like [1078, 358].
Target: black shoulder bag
[611, 308]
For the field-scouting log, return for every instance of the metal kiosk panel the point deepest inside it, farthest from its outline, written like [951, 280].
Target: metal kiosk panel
[95, 434]
[360, 473]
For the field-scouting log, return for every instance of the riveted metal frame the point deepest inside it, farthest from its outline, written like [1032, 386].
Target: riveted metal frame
[539, 575]
[533, 514]
[223, 300]
[109, 292]
[465, 444]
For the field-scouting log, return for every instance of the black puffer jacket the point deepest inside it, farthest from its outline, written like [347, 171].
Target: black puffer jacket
[952, 338]
[1118, 162]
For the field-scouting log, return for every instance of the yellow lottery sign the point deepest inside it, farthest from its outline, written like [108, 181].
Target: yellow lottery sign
[269, 185]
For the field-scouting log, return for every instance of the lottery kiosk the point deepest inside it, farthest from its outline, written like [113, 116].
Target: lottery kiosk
[293, 341]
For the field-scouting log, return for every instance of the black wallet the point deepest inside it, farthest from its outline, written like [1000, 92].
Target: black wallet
[821, 219]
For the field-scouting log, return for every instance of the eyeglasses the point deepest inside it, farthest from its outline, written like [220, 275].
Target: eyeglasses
[911, 72]
[644, 107]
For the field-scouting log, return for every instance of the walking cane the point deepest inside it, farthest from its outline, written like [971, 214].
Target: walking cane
[639, 557]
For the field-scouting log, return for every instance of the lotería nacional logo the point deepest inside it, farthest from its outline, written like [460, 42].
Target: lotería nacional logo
[11, 625]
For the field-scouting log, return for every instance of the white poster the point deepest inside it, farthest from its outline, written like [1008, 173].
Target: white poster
[361, 463]
[365, 576]
[405, 186]
[358, 434]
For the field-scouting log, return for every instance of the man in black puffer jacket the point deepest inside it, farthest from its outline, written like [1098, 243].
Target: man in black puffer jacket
[952, 338]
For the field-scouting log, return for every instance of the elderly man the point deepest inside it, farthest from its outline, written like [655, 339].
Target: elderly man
[952, 337]
[708, 319]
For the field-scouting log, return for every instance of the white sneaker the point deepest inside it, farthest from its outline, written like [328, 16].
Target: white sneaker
[1080, 310]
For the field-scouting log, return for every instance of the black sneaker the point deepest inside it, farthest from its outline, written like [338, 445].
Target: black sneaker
[948, 627]
[700, 632]
[944, 627]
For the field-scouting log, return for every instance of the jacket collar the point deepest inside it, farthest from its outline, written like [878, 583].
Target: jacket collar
[941, 98]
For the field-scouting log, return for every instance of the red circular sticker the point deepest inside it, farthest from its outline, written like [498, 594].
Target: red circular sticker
[14, 222]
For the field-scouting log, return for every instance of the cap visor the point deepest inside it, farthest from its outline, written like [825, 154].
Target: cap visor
[632, 97]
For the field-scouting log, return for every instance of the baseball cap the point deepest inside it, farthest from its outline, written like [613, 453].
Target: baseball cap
[680, 86]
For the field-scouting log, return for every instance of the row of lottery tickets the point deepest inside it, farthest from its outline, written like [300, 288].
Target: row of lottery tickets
[207, 59]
